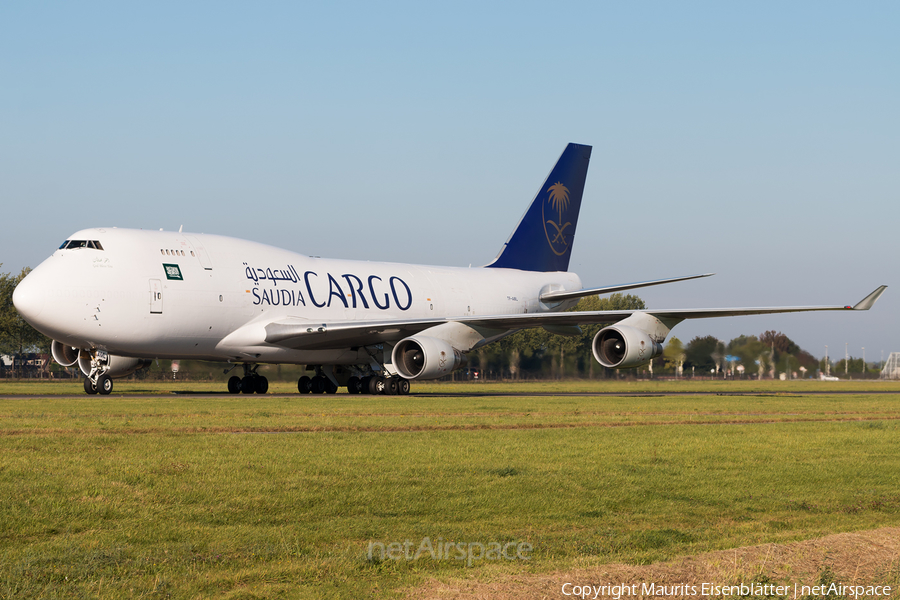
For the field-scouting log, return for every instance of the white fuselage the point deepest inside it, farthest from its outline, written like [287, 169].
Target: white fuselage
[166, 294]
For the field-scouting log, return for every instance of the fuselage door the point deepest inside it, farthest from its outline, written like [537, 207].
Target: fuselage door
[156, 299]
[201, 253]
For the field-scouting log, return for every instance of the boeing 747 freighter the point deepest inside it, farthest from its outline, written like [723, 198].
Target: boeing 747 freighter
[114, 299]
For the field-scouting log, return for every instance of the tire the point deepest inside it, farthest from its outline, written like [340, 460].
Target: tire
[353, 385]
[89, 387]
[403, 386]
[248, 385]
[330, 387]
[262, 385]
[376, 385]
[303, 385]
[317, 385]
[105, 385]
[364, 385]
[234, 385]
[390, 386]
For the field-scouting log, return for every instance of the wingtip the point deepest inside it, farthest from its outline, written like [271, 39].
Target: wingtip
[867, 302]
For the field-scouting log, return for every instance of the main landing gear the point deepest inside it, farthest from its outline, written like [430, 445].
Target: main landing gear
[376, 384]
[251, 383]
[370, 384]
[318, 384]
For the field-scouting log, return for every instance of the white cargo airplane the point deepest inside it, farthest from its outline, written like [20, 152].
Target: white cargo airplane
[113, 299]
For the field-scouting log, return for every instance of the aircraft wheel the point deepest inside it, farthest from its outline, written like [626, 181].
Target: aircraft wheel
[330, 388]
[303, 385]
[376, 385]
[262, 384]
[403, 386]
[89, 387]
[353, 385]
[390, 386]
[105, 385]
[234, 385]
[248, 386]
[364, 385]
[317, 385]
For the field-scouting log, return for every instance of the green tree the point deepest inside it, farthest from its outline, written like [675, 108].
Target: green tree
[704, 354]
[750, 352]
[854, 367]
[673, 354]
[786, 355]
[16, 336]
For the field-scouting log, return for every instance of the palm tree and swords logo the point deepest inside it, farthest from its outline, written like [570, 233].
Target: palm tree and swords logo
[556, 233]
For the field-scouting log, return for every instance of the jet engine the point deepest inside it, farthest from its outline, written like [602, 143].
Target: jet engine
[423, 357]
[64, 354]
[622, 346]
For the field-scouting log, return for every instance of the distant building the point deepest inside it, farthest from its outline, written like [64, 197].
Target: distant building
[891, 368]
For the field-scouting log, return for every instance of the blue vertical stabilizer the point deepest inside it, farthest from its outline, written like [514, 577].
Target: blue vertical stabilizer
[543, 239]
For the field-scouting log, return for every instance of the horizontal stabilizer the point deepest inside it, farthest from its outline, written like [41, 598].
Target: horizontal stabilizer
[566, 295]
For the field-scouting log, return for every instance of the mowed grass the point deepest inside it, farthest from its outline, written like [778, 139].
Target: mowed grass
[274, 497]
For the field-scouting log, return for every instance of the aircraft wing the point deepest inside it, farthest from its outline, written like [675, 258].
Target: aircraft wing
[302, 334]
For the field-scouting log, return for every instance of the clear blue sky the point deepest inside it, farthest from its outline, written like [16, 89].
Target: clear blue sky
[757, 140]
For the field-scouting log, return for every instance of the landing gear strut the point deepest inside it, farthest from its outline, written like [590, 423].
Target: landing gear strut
[252, 382]
[98, 382]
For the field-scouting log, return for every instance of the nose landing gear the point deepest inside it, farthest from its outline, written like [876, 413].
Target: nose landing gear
[98, 382]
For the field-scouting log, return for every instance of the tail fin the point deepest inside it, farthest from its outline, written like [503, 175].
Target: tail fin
[542, 241]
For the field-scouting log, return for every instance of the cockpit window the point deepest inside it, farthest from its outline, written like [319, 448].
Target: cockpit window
[72, 244]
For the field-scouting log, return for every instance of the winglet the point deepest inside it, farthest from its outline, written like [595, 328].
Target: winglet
[867, 302]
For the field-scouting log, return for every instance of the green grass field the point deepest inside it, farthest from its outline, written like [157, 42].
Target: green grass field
[146, 494]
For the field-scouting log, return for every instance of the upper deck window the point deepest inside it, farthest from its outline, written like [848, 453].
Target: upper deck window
[72, 244]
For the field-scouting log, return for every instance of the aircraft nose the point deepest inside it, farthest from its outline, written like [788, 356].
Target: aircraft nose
[28, 298]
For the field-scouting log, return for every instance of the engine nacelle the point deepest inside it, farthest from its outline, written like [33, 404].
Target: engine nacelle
[423, 357]
[620, 347]
[64, 354]
[118, 366]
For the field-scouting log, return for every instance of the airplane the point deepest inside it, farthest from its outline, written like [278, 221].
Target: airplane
[114, 299]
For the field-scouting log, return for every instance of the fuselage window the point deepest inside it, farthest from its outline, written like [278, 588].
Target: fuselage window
[161, 251]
